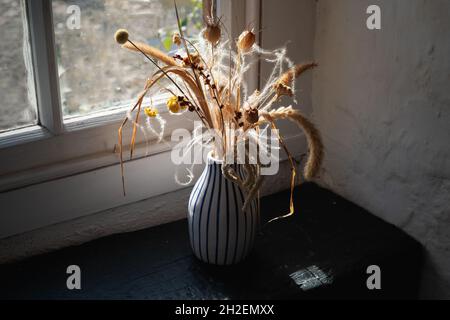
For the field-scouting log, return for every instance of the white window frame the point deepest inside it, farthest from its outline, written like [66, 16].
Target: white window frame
[57, 171]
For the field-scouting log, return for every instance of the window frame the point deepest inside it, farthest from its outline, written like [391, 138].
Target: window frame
[42, 43]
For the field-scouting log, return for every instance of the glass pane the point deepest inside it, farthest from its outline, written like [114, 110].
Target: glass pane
[95, 73]
[17, 95]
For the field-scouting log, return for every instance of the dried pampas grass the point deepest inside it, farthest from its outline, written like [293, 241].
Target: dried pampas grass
[151, 51]
[315, 145]
[284, 84]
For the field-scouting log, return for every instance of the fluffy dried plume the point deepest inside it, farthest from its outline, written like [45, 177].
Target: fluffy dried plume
[315, 145]
[284, 84]
[151, 51]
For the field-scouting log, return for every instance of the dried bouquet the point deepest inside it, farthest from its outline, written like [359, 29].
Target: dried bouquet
[206, 76]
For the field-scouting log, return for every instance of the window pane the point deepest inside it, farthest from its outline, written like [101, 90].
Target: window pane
[95, 73]
[17, 95]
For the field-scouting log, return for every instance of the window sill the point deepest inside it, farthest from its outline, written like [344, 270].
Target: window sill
[23, 136]
[326, 249]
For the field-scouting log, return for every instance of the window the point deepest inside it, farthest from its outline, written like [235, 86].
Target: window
[65, 84]
[17, 96]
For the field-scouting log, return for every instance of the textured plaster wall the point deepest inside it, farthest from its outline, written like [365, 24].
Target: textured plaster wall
[382, 101]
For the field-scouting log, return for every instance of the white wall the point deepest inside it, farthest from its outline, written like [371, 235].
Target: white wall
[382, 102]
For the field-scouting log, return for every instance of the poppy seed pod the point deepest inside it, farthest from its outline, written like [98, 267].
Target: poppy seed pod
[246, 41]
[212, 33]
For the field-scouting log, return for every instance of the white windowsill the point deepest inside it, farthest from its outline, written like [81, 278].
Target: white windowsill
[22, 136]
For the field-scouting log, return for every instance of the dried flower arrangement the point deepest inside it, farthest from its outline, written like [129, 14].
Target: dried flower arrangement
[207, 77]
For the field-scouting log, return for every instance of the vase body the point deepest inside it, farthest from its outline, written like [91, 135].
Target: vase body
[220, 232]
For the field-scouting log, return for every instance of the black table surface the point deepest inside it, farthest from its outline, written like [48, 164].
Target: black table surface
[323, 251]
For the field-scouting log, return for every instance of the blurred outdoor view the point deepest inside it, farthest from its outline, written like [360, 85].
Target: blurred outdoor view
[17, 97]
[95, 73]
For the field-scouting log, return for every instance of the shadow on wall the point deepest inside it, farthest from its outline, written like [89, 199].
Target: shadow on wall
[380, 98]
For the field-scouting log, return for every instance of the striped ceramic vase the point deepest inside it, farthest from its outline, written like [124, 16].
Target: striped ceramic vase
[220, 232]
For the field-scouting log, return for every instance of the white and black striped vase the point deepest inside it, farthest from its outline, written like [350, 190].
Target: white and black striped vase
[220, 232]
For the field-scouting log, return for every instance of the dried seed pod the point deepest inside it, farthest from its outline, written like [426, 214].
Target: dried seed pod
[176, 38]
[246, 41]
[212, 33]
[121, 36]
[173, 105]
[151, 112]
[194, 57]
[251, 115]
[283, 90]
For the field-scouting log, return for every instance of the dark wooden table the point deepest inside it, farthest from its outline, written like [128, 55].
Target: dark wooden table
[321, 252]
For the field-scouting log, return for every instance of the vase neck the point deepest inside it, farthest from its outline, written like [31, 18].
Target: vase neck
[212, 160]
